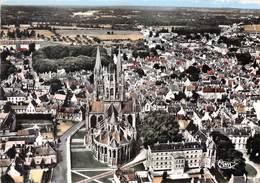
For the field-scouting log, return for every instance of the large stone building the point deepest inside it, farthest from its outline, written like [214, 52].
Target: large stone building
[174, 157]
[111, 116]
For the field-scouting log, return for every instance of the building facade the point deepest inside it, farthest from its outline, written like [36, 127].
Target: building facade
[174, 157]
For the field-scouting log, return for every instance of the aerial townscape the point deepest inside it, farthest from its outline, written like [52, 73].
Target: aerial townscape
[130, 93]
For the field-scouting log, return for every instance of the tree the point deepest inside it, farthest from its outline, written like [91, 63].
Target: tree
[193, 73]
[7, 107]
[253, 148]
[73, 87]
[31, 47]
[26, 62]
[55, 85]
[205, 68]
[11, 152]
[140, 72]
[244, 58]
[164, 176]
[156, 66]
[226, 152]
[125, 56]
[6, 178]
[135, 54]
[159, 126]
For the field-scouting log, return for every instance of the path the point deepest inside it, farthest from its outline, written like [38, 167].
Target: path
[63, 167]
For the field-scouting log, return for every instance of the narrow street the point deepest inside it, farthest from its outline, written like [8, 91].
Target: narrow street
[61, 171]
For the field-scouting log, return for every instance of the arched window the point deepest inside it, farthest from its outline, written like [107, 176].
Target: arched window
[100, 118]
[93, 121]
[111, 91]
[130, 119]
[114, 154]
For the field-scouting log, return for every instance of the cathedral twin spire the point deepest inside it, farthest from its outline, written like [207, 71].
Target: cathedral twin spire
[98, 65]
[103, 88]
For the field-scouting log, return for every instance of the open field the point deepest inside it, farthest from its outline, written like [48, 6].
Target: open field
[103, 34]
[46, 33]
[132, 37]
[252, 28]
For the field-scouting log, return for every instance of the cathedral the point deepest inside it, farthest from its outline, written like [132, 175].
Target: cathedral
[110, 116]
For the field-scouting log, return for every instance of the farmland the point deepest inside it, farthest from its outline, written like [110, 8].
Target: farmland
[102, 34]
[252, 28]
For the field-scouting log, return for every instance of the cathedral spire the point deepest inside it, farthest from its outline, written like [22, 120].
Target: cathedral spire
[98, 61]
[119, 63]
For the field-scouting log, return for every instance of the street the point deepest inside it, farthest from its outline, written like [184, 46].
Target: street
[60, 172]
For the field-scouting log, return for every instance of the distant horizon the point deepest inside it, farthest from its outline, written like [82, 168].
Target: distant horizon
[223, 4]
[127, 6]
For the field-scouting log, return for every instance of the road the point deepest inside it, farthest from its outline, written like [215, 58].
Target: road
[61, 170]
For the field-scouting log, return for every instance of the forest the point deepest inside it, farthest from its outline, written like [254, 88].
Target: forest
[70, 58]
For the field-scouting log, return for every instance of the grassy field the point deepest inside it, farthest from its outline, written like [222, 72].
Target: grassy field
[106, 179]
[76, 177]
[132, 37]
[79, 135]
[139, 167]
[85, 160]
[46, 33]
[218, 175]
[251, 171]
[92, 174]
[252, 28]
[102, 34]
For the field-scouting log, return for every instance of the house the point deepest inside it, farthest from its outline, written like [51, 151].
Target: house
[43, 156]
[7, 122]
[69, 113]
[16, 96]
[131, 176]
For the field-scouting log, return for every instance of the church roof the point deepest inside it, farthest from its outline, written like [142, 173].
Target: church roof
[113, 138]
[127, 107]
[112, 110]
[113, 119]
[97, 106]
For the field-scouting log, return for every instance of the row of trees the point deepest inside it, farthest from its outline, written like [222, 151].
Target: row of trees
[18, 33]
[253, 148]
[6, 66]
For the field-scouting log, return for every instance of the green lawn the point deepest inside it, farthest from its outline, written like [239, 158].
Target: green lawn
[218, 175]
[251, 171]
[76, 177]
[79, 135]
[139, 167]
[106, 179]
[92, 174]
[85, 160]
